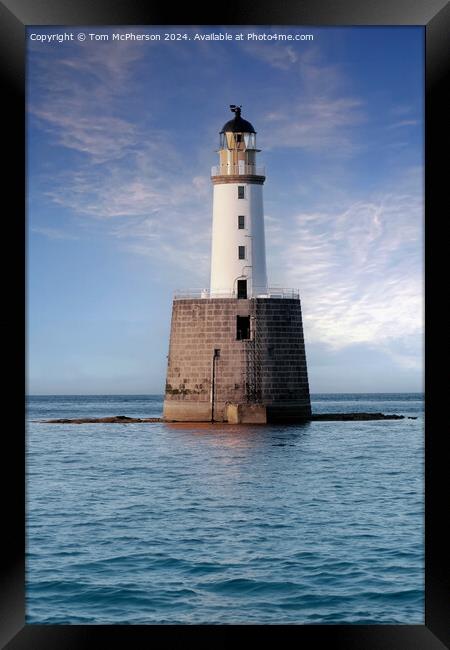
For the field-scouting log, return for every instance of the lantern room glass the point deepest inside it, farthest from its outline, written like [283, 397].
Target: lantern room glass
[231, 140]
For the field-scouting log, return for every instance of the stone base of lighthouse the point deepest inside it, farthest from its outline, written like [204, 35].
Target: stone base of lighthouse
[260, 373]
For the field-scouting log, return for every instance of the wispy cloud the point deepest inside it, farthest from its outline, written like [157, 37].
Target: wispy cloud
[359, 269]
[102, 137]
[318, 113]
[402, 123]
[274, 54]
[130, 178]
[109, 63]
[54, 233]
[78, 97]
[319, 124]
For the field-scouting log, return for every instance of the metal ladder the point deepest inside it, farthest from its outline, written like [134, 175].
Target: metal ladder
[253, 359]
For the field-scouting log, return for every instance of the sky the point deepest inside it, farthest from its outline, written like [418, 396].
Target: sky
[121, 137]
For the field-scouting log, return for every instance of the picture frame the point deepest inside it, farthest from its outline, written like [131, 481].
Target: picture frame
[15, 16]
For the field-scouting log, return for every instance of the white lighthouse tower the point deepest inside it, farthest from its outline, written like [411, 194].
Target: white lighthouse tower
[238, 257]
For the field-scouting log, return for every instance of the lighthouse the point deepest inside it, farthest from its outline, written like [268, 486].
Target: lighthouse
[237, 352]
[238, 255]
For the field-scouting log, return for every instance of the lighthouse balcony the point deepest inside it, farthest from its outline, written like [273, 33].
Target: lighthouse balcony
[241, 169]
[269, 292]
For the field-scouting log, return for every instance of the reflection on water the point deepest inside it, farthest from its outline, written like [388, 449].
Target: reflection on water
[244, 436]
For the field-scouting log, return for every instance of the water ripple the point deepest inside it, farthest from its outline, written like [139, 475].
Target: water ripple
[146, 524]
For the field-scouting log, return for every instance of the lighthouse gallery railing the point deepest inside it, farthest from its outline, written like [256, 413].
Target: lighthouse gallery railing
[237, 170]
[271, 292]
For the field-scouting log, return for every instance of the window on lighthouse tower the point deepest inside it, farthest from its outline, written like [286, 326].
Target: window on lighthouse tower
[241, 252]
[241, 192]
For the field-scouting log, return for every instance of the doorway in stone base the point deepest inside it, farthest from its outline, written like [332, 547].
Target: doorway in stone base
[242, 289]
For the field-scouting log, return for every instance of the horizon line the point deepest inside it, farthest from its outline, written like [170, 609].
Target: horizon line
[374, 392]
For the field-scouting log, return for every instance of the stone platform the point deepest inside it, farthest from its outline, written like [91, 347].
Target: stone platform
[260, 373]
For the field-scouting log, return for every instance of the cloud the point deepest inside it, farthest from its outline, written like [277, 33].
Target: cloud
[131, 180]
[74, 98]
[359, 269]
[109, 62]
[276, 55]
[141, 187]
[315, 111]
[317, 125]
[53, 233]
[102, 137]
[165, 215]
[401, 123]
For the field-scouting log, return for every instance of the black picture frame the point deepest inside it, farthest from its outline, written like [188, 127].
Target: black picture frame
[15, 16]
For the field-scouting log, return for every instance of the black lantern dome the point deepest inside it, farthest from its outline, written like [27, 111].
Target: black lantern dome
[237, 125]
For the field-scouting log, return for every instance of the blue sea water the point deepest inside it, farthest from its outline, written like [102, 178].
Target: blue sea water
[165, 524]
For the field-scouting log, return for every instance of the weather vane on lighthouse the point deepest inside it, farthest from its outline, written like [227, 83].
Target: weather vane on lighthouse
[237, 352]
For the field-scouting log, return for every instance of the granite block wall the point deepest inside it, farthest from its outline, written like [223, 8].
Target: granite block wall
[273, 360]
[284, 375]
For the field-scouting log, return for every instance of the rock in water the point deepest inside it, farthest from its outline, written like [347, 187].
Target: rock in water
[355, 416]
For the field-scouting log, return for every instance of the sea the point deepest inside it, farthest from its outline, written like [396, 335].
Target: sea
[153, 523]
